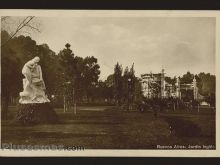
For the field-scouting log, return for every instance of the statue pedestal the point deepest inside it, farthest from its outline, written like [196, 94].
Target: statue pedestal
[36, 113]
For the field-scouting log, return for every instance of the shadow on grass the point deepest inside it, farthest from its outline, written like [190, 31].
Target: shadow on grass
[183, 128]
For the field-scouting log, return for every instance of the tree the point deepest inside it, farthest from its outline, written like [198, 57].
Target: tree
[110, 80]
[103, 93]
[67, 75]
[9, 77]
[66, 58]
[133, 80]
[125, 85]
[91, 75]
[117, 83]
[187, 78]
[83, 73]
[207, 87]
[170, 80]
[138, 93]
[130, 87]
[206, 84]
[109, 85]
[79, 78]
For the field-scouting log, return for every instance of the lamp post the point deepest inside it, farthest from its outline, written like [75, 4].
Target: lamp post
[74, 101]
[129, 86]
[64, 95]
[75, 94]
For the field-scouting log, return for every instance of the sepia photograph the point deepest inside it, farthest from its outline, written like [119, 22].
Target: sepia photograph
[107, 82]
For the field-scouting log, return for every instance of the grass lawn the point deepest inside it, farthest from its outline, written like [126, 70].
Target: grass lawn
[109, 128]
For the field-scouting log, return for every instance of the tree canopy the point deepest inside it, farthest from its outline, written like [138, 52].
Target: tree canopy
[82, 73]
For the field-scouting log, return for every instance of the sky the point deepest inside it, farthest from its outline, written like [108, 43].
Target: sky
[176, 44]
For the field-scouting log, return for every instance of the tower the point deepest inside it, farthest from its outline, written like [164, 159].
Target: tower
[162, 84]
[195, 90]
[178, 94]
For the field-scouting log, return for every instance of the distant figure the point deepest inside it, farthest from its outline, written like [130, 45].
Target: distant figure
[33, 83]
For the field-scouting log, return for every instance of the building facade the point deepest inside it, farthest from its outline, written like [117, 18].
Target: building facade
[155, 85]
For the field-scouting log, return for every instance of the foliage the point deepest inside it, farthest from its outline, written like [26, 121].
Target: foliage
[127, 87]
[83, 73]
[187, 78]
[118, 83]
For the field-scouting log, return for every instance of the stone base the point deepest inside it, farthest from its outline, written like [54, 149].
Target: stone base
[36, 113]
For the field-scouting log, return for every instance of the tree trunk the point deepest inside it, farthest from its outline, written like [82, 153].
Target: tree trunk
[4, 107]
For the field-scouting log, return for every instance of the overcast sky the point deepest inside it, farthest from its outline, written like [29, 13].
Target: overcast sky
[177, 44]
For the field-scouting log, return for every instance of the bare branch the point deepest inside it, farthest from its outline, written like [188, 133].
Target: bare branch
[33, 28]
[4, 18]
[24, 23]
[25, 32]
[21, 24]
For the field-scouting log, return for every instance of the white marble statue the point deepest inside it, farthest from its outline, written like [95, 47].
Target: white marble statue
[33, 83]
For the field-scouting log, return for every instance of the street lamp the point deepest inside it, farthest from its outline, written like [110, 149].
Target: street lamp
[64, 95]
[129, 84]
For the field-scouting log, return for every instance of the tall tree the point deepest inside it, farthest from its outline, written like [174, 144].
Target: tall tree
[66, 58]
[125, 85]
[118, 84]
[67, 74]
[132, 83]
[90, 76]
[9, 77]
[83, 73]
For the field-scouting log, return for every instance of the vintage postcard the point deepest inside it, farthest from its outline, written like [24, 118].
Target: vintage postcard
[109, 83]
